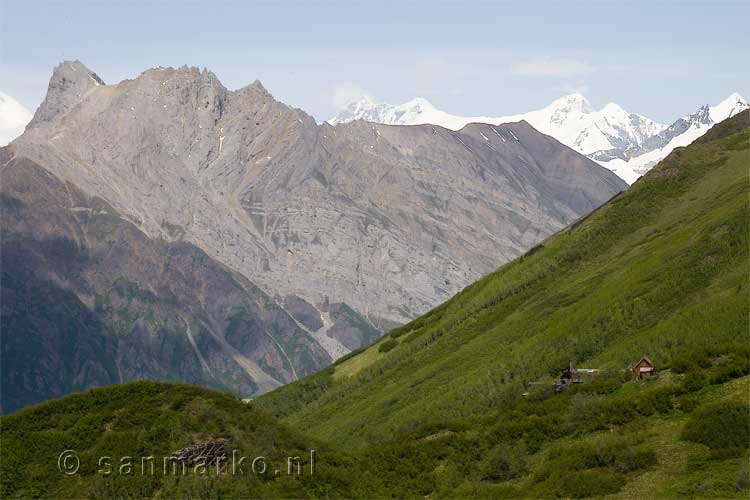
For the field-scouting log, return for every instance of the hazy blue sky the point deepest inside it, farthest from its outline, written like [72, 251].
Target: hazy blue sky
[661, 59]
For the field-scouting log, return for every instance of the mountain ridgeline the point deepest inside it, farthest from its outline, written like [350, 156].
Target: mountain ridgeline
[460, 403]
[624, 142]
[167, 227]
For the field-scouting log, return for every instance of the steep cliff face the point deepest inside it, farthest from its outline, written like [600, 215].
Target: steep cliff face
[88, 299]
[389, 220]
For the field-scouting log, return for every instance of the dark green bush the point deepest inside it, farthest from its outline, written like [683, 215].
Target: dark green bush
[694, 380]
[743, 480]
[720, 425]
[592, 467]
[540, 392]
[592, 413]
[688, 402]
[699, 459]
[604, 383]
[623, 453]
[688, 361]
[726, 453]
[398, 332]
[663, 398]
[505, 463]
[635, 458]
[582, 484]
[387, 345]
[645, 405]
[725, 373]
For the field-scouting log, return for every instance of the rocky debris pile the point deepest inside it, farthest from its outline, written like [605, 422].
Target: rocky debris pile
[204, 453]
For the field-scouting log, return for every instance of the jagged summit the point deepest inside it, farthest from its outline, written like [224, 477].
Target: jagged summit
[702, 116]
[74, 70]
[187, 74]
[258, 85]
[69, 84]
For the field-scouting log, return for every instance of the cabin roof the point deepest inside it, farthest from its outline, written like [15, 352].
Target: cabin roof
[647, 359]
[643, 358]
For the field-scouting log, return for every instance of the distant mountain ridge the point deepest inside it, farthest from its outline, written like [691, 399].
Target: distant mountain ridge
[612, 136]
[337, 234]
[570, 119]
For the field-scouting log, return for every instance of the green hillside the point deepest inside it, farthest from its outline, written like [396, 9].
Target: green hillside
[155, 419]
[460, 402]
[661, 270]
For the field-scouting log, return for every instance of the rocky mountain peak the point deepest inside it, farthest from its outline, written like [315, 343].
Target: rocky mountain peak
[75, 70]
[70, 82]
[258, 86]
[700, 117]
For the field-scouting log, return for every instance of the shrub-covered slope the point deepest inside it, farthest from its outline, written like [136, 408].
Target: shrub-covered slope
[154, 419]
[660, 270]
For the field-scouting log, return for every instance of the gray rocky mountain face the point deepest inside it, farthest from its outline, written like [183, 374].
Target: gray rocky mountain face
[88, 300]
[350, 229]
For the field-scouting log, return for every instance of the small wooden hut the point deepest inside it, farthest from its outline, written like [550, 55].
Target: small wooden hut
[644, 368]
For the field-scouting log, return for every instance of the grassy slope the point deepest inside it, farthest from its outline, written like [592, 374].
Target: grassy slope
[449, 411]
[662, 269]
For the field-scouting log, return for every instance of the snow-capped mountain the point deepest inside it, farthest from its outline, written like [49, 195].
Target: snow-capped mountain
[681, 133]
[727, 108]
[626, 143]
[414, 112]
[13, 118]
[570, 119]
[573, 121]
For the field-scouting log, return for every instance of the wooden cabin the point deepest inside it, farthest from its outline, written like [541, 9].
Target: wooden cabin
[644, 368]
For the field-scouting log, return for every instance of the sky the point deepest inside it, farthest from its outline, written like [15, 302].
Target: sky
[657, 58]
